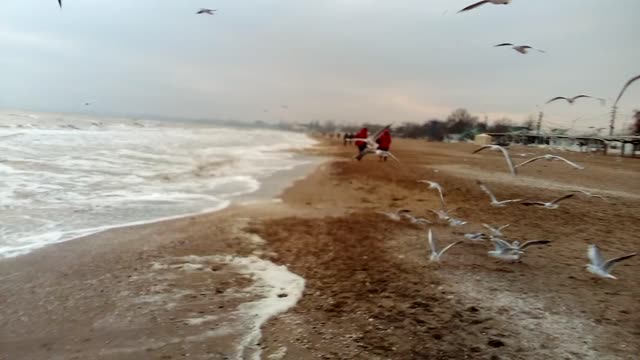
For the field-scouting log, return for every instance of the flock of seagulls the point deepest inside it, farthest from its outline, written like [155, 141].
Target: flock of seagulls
[514, 250]
[503, 249]
[513, 168]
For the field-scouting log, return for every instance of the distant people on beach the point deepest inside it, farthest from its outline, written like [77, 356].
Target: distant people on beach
[347, 137]
[384, 143]
[362, 134]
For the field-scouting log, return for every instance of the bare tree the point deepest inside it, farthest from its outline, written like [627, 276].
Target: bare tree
[635, 127]
[460, 121]
[500, 126]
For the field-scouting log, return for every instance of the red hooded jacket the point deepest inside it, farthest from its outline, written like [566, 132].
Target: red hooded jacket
[362, 134]
[384, 141]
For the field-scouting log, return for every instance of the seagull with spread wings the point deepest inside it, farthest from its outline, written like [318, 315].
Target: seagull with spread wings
[495, 232]
[480, 3]
[206, 11]
[494, 201]
[624, 88]
[550, 157]
[435, 253]
[435, 186]
[589, 194]
[512, 251]
[572, 100]
[600, 267]
[504, 152]
[372, 146]
[522, 49]
[553, 204]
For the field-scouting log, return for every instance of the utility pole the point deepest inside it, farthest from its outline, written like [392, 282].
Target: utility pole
[614, 110]
[539, 125]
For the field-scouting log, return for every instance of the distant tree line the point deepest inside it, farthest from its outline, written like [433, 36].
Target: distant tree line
[459, 123]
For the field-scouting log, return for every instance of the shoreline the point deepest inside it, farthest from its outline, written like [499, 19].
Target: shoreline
[162, 290]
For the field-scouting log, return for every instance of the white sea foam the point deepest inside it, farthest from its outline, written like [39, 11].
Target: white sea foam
[276, 288]
[279, 289]
[100, 174]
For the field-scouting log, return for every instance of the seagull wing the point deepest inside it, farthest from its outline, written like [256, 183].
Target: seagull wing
[580, 96]
[364, 153]
[432, 243]
[557, 98]
[60, 3]
[568, 162]
[378, 133]
[594, 255]
[487, 191]
[534, 242]
[473, 6]
[449, 246]
[530, 160]
[491, 228]
[624, 88]
[508, 159]
[529, 203]
[501, 244]
[393, 156]
[503, 44]
[441, 196]
[482, 148]
[609, 264]
[502, 227]
[555, 201]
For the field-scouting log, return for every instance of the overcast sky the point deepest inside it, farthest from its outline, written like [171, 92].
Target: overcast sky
[347, 60]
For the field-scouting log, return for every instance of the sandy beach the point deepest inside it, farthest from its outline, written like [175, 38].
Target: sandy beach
[177, 289]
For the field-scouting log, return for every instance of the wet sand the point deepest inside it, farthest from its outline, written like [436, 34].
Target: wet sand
[371, 292]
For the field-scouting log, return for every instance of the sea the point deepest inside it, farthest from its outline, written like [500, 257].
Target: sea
[64, 177]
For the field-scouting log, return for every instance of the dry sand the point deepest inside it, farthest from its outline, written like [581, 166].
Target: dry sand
[370, 291]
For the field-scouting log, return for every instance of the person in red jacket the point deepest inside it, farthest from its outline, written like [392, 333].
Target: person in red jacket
[384, 143]
[362, 134]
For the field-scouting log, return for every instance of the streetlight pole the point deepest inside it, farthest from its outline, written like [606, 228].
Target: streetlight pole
[614, 110]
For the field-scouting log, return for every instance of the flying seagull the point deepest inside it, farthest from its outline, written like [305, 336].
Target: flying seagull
[444, 215]
[395, 215]
[435, 186]
[435, 254]
[553, 204]
[496, 2]
[494, 201]
[573, 99]
[475, 236]
[550, 158]
[504, 152]
[522, 49]
[600, 267]
[414, 220]
[206, 11]
[497, 232]
[372, 146]
[589, 194]
[512, 251]
[503, 250]
[624, 88]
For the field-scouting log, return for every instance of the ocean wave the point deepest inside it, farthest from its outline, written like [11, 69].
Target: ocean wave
[120, 174]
